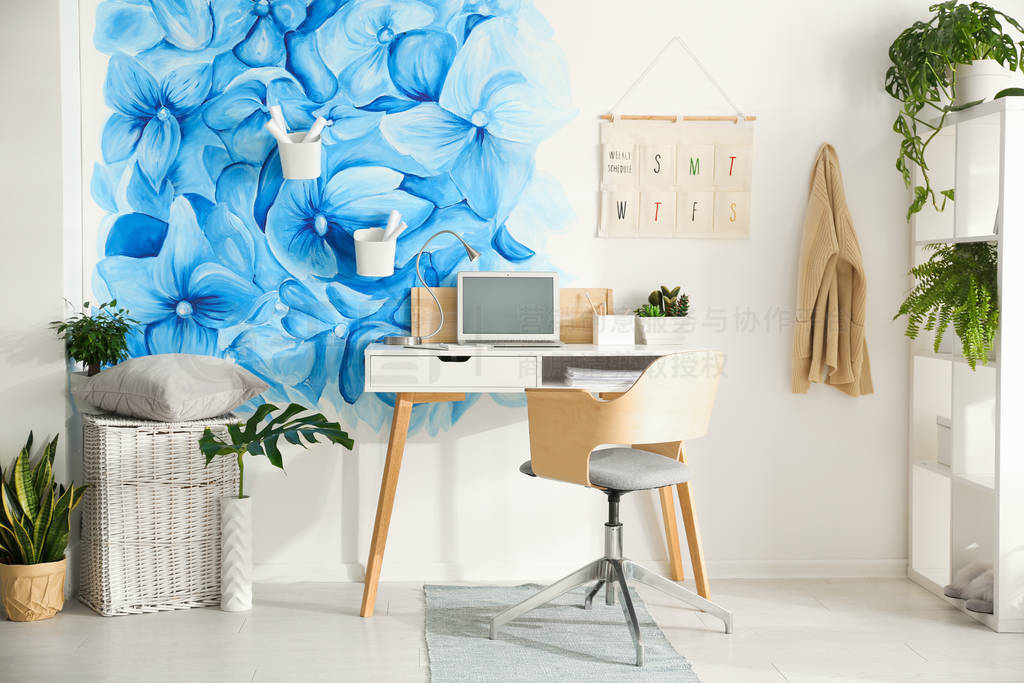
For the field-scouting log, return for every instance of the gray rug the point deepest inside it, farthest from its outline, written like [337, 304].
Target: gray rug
[559, 641]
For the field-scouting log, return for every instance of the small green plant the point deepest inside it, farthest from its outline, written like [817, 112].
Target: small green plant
[665, 302]
[958, 286]
[923, 74]
[35, 512]
[96, 339]
[261, 439]
[650, 311]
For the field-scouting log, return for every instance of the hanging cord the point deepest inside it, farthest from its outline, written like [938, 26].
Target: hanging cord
[700, 65]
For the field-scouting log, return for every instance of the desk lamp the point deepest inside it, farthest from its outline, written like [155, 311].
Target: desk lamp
[473, 255]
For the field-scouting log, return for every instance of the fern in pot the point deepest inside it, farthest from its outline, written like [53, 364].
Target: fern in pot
[960, 57]
[956, 287]
[35, 523]
[662, 320]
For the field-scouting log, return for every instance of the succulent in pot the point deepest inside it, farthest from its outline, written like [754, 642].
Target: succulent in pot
[662, 319]
[35, 523]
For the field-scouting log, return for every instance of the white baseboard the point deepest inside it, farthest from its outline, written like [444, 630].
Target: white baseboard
[533, 571]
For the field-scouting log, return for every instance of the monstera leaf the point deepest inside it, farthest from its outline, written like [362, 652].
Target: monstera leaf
[257, 438]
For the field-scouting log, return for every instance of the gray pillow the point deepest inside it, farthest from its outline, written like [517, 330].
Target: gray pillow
[171, 387]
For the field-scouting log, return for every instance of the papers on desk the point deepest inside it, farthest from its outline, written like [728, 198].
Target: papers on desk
[601, 379]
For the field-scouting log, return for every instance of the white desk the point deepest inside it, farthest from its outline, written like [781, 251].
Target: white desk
[418, 375]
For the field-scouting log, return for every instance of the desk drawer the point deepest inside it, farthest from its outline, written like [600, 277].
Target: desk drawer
[460, 373]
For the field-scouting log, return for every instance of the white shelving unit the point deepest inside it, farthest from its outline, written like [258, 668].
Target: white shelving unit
[973, 508]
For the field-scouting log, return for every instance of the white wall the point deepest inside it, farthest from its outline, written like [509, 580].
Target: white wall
[32, 370]
[790, 485]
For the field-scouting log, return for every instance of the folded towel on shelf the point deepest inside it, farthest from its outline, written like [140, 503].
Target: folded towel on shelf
[591, 377]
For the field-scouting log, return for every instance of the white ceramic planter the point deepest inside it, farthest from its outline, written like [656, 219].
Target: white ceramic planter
[980, 80]
[300, 160]
[373, 257]
[662, 330]
[236, 554]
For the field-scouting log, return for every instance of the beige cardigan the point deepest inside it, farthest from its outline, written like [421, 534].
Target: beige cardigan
[832, 290]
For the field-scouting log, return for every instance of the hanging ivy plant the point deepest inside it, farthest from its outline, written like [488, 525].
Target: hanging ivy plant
[923, 75]
[957, 286]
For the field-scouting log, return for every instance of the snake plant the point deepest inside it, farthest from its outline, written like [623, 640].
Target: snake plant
[262, 440]
[35, 511]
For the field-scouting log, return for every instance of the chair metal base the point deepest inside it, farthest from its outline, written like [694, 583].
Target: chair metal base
[613, 571]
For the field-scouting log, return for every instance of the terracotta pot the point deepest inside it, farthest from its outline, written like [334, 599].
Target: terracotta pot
[31, 592]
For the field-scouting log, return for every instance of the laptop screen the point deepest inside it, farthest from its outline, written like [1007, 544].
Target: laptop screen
[508, 305]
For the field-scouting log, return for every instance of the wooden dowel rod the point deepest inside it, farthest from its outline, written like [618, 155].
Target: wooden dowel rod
[673, 118]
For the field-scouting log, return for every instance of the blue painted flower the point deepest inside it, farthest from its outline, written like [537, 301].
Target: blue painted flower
[356, 41]
[240, 112]
[183, 296]
[271, 19]
[311, 223]
[147, 114]
[491, 115]
[437, 107]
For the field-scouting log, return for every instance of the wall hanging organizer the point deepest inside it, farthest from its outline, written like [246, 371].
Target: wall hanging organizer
[676, 176]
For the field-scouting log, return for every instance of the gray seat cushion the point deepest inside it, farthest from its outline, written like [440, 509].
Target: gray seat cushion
[629, 469]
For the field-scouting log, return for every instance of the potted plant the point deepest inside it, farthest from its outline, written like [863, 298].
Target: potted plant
[256, 438]
[957, 286]
[35, 521]
[957, 59]
[96, 338]
[662, 319]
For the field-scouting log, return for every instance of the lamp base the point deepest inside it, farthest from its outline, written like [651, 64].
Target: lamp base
[403, 341]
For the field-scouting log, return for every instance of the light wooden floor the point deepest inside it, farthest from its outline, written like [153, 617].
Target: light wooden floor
[791, 630]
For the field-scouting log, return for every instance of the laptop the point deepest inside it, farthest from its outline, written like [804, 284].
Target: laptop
[508, 309]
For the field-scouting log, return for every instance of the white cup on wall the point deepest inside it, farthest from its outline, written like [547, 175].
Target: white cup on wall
[374, 258]
[300, 160]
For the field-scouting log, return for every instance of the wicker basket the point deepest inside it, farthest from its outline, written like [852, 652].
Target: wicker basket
[151, 516]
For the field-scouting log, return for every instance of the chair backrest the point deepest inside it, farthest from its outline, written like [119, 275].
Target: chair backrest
[670, 402]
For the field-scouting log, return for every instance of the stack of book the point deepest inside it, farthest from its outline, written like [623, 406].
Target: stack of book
[603, 379]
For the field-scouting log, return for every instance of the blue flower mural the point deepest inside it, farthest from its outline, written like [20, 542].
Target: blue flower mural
[436, 108]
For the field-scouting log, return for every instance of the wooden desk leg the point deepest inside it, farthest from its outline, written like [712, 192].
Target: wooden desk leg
[386, 501]
[693, 540]
[668, 512]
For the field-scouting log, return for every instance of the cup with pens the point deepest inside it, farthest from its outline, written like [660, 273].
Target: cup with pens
[300, 151]
[375, 247]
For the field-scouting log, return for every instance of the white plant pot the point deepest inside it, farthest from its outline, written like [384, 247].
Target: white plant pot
[663, 330]
[980, 80]
[300, 160]
[236, 554]
[373, 257]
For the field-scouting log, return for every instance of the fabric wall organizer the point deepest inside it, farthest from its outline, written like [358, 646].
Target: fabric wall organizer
[676, 176]
[683, 179]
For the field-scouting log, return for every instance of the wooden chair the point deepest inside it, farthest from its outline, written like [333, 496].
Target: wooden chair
[669, 404]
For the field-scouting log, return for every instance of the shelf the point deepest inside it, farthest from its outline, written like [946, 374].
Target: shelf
[958, 240]
[981, 110]
[984, 482]
[956, 358]
[939, 469]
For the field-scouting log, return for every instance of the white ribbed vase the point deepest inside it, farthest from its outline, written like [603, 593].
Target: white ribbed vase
[236, 554]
